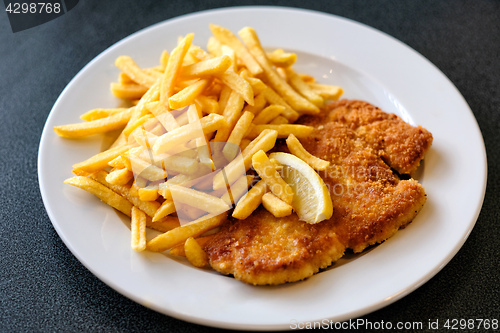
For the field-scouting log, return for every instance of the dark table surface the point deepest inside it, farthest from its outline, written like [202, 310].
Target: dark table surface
[43, 287]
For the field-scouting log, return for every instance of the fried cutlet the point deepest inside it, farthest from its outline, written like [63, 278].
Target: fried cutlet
[370, 203]
[400, 145]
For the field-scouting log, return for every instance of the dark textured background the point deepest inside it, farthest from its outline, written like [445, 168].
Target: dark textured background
[44, 288]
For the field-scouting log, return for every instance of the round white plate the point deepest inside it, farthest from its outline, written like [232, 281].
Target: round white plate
[369, 65]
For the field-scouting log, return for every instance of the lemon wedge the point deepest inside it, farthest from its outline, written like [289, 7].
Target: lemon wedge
[312, 200]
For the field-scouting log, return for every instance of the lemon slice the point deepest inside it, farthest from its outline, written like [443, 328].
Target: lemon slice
[311, 200]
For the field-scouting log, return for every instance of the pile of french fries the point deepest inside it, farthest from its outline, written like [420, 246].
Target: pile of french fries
[192, 147]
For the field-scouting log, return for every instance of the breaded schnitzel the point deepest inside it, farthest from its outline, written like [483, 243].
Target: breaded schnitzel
[370, 201]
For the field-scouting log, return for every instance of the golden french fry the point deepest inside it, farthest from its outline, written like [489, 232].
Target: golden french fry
[269, 113]
[194, 253]
[280, 58]
[119, 176]
[231, 172]
[259, 104]
[198, 199]
[129, 67]
[279, 120]
[181, 135]
[179, 235]
[207, 103]
[148, 194]
[102, 192]
[95, 114]
[267, 171]
[275, 205]
[136, 124]
[187, 95]
[173, 69]
[166, 208]
[146, 169]
[179, 249]
[238, 84]
[231, 149]
[128, 91]
[293, 98]
[250, 201]
[303, 88]
[138, 230]
[148, 207]
[99, 126]
[214, 47]
[163, 225]
[212, 66]
[225, 36]
[298, 150]
[231, 113]
[326, 91]
[98, 161]
[273, 98]
[237, 190]
[284, 130]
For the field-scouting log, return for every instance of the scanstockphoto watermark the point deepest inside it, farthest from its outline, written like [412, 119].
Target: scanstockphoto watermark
[454, 324]
[356, 324]
[25, 14]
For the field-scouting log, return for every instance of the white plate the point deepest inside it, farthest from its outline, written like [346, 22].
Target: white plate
[369, 65]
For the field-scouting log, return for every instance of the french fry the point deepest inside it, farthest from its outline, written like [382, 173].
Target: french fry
[99, 126]
[166, 208]
[267, 171]
[238, 84]
[231, 172]
[163, 225]
[296, 101]
[303, 88]
[179, 235]
[194, 253]
[212, 66]
[173, 69]
[225, 36]
[102, 192]
[136, 124]
[146, 170]
[198, 199]
[250, 201]
[148, 194]
[138, 230]
[119, 176]
[273, 98]
[148, 207]
[259, 104]
[275, 205]
[231, 149]
[284, 130]
[280, 58]
[279, 120]
[129, 67]
[269, 113]
[179, 249]
[298, 150]
[332, 93]
[187, 95]
[183, 134]
[231, 113]
[237, 190]
[98, 161]
[128, 91]
[95, 114]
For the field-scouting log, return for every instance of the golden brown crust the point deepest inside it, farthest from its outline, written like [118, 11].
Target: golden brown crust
[370, 201]
[401, 145]
[264, 249]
